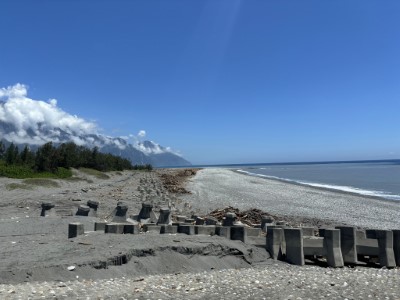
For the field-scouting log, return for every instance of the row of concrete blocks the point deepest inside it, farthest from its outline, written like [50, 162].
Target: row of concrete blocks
[83, 210]
[342, 245]
[234, 233]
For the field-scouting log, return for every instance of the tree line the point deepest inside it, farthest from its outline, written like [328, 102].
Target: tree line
[49, 158]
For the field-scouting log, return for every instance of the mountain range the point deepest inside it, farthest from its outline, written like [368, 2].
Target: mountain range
[146, 152]
[25, 121]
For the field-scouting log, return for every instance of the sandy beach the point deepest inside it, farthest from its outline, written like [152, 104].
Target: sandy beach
[35, 252]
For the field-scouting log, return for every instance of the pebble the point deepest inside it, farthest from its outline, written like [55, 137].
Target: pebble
[261, 282]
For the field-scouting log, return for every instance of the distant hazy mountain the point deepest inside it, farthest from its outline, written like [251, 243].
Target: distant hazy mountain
[25, 121]
[146, 152]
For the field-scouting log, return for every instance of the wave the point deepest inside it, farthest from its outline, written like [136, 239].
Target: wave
[348, 189]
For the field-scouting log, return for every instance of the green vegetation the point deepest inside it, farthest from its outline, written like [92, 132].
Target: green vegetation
[95, 173]
[15, 186]
[56, 162]
[143, 167]
[42, 182]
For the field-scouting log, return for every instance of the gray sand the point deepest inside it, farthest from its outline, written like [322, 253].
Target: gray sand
[216, 188]
[152, 266]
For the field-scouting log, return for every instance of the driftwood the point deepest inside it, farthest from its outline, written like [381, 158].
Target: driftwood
[248, 217]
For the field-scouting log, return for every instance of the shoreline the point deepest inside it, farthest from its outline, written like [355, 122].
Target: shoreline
[289, 181]
[213, 188]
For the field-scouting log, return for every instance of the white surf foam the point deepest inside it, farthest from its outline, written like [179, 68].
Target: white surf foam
[348, 189]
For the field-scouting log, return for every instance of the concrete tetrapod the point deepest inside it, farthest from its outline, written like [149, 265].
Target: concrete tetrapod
[165, 217]
[120, 212]
[83, 210]
[47, 209]
[94, 205]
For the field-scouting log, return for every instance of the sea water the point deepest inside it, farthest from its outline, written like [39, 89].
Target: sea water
[371, 178]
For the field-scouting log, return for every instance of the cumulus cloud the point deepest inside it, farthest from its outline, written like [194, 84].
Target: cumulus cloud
[28, 121]
[31, 118]
[149, 147]
[142, 133]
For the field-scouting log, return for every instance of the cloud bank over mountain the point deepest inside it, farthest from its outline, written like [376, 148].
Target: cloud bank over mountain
[27, 121]
[38, 122]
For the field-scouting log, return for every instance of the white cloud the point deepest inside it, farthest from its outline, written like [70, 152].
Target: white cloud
[37, 122]
[142, 133]
[28, 115]
[18, 90]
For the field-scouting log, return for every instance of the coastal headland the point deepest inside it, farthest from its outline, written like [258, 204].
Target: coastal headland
[37, 260]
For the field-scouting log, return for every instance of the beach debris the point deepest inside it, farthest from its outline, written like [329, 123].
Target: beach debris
[249, 217]
[173, 181]
[71, 268]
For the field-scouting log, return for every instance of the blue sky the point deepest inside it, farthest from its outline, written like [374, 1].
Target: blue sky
[221, 81]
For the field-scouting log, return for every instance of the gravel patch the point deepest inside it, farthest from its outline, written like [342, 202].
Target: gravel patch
[277, 281]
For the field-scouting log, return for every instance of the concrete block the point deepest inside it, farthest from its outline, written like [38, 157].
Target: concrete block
[114, 228]
[186, 229]
[360, 235]
[224, 231]
[253, 231]
[211, 221]
[385, 244]
[266, 225]
[348, 244]
[313, 246]
[181, 219]
[275, 242]
[307, 231]
[189, 221]
[294, 246]
[83, 210]
[370, 233]
[266, 220]
[203, 229]
[332, 247]
[131, 229]
[396, 246]
[169, 229]
[100, 226]
[152, 228]
[321, 231]
[199, 221]
[239, 233]
[75, 229]
[229, 219]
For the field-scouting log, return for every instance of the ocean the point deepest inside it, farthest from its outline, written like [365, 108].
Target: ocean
[370, 178]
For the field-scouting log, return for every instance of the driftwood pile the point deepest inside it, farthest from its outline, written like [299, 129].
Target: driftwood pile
[174, 180]
[249, 217]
